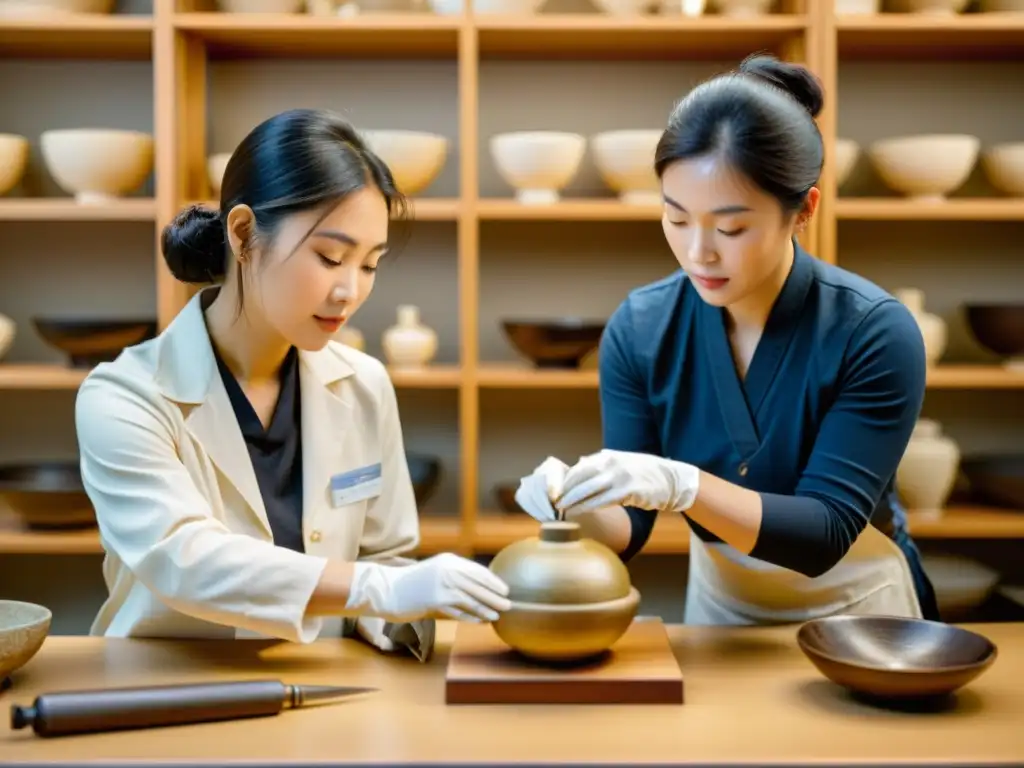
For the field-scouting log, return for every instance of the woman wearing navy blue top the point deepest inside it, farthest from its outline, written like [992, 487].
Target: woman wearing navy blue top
[763, 394]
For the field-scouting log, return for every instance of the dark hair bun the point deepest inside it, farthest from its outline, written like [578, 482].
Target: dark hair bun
[193, 246]
[795, 79]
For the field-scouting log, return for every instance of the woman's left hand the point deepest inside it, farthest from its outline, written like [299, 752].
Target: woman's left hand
[610, 478]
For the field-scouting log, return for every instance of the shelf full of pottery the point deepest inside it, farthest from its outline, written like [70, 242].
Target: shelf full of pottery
[95, 165]
[617, 8]
[930, 167]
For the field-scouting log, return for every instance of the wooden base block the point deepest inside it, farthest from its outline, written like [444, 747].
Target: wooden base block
[639, 669]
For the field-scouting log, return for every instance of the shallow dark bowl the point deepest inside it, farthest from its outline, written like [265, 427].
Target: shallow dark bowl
[561, 343]
[425, 472]
[505, 493]
[886, 657]
[998, 327]
[46, 495]
[89, 342]
[996, 480]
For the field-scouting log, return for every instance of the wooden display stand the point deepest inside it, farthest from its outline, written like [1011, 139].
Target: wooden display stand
[639, 669]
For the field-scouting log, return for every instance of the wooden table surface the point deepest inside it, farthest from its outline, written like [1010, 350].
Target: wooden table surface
[751, 697]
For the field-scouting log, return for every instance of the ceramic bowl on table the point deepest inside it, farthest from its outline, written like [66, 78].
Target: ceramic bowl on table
[97, 165]
[996, 480]
[893, 658]
[625, 160]
[999, 328]
[23, 628]
[88, 342]
[425, 472]
[538, 165]
[962, 585]
[13, 160]
[414, 157]
[572, 598]
[46, 495]
[927, 167]
[562, 343]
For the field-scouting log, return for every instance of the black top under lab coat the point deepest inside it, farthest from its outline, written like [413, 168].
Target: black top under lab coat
[276, 452]
[816, 427]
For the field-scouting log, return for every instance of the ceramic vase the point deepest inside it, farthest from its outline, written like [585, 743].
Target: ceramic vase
[7, 329]
[351, 337]
[928, 469]
[933, 327]
[409, 343]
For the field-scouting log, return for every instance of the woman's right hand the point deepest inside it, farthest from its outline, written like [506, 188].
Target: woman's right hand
[445, 585]
[539, 489]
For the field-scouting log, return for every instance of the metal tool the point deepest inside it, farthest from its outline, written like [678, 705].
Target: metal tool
[112, 709]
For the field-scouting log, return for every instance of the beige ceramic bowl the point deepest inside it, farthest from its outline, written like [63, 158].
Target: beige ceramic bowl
[847, 152]
[538, 164]
[857, 7]
[486, 7]
[414, 157]
[926, 167]
[13, 159]
[215, 165]
[933, 7]
[23, 628]
[743, 7]
[8, 330]
[96, 164]
[625, 8]
[261, 6]
[625, 160]
[1004, 166]
[36, 8]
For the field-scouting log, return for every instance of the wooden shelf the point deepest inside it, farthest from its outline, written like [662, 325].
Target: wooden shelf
[671, 534]
[84, 36]
[902, 209]
[391, 36]
[920, 37]
[975, 377]
[597, 36]
[436, 535]
[431, 377]
[36, 377]
[66, 209]
[497, 209]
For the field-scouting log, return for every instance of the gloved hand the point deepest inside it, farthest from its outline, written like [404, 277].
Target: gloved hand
[537, 490]
[445, 585]
[608, 478]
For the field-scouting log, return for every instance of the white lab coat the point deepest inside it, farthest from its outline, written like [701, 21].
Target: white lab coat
[189, 549]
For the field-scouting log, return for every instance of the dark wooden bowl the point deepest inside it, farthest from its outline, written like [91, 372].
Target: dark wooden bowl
[886, 657]
[425, 472]
[46, 495]
[89, 342]
[996, 480]
[998, 327]
[560, 343]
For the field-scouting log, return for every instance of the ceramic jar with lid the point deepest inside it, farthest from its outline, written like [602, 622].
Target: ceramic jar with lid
[928, 469]
[933, 327]
[572, 598]
[409, 343]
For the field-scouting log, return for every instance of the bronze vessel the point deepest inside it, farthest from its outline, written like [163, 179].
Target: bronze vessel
[572, 598]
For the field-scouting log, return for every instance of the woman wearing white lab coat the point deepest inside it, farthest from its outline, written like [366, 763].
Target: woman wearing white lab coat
[248, 473]
[763, 395]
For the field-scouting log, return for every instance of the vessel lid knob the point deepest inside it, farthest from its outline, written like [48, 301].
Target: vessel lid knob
[560, 531]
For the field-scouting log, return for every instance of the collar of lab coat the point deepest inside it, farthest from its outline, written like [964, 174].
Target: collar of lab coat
[186, 364]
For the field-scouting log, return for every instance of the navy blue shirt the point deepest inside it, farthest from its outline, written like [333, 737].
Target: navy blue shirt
[817, 426]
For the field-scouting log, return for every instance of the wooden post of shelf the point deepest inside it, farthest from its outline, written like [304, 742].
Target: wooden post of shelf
[469, 280]
[823, 21]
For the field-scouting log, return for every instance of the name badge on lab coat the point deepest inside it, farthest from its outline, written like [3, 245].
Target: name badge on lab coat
[356, 485]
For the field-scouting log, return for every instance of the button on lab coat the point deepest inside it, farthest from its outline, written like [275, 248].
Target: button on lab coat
[189, 549]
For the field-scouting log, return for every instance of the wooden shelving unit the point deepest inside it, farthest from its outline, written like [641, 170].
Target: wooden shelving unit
[181, 40]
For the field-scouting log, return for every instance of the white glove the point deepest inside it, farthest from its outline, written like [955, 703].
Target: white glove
[608, 478]
[445, 585]
[539, 489]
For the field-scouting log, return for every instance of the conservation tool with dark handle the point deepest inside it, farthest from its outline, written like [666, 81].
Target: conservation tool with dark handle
[112, 709]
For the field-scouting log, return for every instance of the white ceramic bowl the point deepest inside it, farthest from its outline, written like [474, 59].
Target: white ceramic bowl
[486, 7]
[13, 160]
[626, 8]
[625, 160]
[97, 164]
[926, 167]
[414, 157]
[215, 165]
[1004, 167]
[960, 583]
[847, 152]
[857, 7]
[14, 9]
[261, 6]
[538, 164]
[23, 628]
[743, 7]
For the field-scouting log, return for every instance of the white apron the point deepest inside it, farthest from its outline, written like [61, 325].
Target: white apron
[726, 587]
